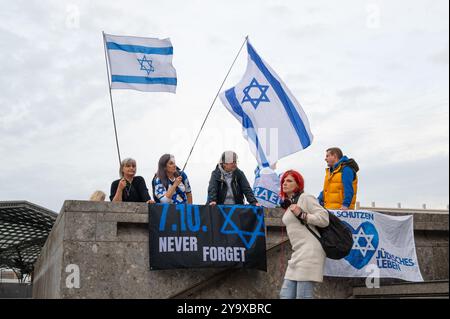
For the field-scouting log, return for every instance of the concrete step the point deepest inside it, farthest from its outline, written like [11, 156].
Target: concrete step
[426, 289]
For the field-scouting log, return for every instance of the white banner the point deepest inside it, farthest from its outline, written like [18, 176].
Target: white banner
[383, 247]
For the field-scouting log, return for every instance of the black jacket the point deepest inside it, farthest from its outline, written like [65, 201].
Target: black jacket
[217, 189]
[137, 191]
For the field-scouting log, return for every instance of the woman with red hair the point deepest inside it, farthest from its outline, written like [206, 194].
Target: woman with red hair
[305, 267]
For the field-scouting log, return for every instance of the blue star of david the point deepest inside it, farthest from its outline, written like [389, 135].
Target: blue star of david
[262, 97]
[149, 68]
[159, 190]
[258, 231]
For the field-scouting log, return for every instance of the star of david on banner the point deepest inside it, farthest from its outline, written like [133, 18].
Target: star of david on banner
[149, 67]
[262, 93]
[229, 227]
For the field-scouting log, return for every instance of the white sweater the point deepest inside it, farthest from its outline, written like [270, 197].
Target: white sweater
[308, 257]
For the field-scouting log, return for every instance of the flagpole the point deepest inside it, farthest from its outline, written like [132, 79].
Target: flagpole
[110, 98]
[212, 104]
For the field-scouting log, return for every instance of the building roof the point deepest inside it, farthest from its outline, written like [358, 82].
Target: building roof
[24, 228]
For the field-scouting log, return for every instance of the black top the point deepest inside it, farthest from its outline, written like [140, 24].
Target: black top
[217, 190]
[137, 191]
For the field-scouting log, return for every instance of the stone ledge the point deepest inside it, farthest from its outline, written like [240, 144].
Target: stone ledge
[98, 207]
[108, 214]
[404, 289]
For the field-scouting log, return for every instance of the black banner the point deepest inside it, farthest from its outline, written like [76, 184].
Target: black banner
[198, 236]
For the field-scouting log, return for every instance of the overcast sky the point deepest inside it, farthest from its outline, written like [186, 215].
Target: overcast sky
[372, 77]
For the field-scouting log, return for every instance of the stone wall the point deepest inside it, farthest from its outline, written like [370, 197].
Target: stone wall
[15, 290]
[108, 242]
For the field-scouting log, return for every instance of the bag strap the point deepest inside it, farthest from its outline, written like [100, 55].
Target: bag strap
[309, 228]
[297, 197]
[312, 232]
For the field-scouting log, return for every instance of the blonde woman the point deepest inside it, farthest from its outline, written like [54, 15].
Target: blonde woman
[129, 188]
[98, 196]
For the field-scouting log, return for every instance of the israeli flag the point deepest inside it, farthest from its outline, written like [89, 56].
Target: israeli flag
[273, 121]
[143, 64]
[267, 187]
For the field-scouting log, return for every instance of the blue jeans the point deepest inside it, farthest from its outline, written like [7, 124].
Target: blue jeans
[297, 289]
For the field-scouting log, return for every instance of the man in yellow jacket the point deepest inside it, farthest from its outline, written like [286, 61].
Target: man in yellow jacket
[341, 182]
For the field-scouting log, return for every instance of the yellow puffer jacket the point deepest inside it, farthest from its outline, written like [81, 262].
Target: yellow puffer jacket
[333, 189]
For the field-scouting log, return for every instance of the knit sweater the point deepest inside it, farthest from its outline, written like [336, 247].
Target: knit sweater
[308, 257]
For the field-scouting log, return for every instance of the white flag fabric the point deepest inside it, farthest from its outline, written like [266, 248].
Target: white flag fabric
[267, 187]
[383, 247]
[273, 121]
[143, 64]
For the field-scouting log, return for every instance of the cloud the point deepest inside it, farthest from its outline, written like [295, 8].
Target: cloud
[312, 30]
[419, 182]
[359, 91]
[441, 57]
[55, 116]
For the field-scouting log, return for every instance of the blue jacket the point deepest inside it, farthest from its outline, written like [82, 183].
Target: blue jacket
[347, 179]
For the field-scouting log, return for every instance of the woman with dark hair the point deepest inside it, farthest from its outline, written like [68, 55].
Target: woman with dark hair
[308, 258]
[129, 188]
[170, 185]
